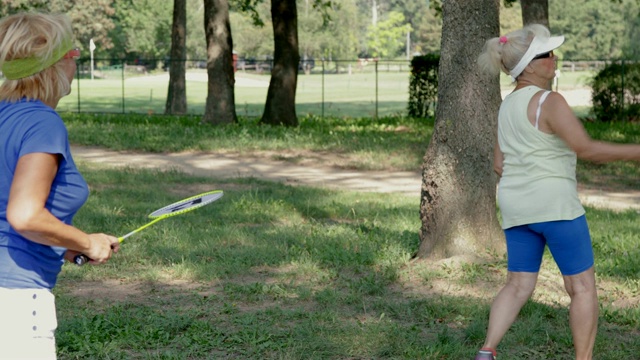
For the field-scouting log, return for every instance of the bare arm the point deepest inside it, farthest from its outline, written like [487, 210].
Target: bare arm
[498, 158]
[27, 214]
[561, 120]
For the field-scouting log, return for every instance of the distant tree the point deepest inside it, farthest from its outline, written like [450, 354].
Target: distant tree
[603, 32]
[631, 49]
[458, 197]
[143, 29]
[252, 37]
[328, 39]
[8, 7]
[280, 108]
[386, 38]
[177, 93]
[220, 105]
[196, 38]
[425, 25]
[91, 19]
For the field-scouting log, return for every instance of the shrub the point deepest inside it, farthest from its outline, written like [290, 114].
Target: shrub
[423, 85]
[616, 92]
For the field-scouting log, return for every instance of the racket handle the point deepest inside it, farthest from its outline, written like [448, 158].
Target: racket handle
[80, 259]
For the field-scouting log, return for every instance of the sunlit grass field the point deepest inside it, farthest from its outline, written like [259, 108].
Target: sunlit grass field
[356, 95]
[344, 94]
[273, 271]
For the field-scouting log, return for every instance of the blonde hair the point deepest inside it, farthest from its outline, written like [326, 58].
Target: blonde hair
[504, 53]
[35, 35]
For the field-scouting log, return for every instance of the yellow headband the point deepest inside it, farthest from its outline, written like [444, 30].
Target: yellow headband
[21, 68]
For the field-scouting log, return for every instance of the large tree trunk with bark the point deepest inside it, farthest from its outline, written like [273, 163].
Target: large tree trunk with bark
[458, 196]
[535, 12]
[220, 107]
[177, 95]
[280, 108]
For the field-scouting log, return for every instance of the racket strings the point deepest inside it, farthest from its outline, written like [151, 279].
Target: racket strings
[187, 205]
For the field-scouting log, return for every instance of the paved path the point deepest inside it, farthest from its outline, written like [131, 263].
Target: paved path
[222, 165]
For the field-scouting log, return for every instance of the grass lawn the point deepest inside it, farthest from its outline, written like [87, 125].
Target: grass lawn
[272, 271]
[355, 94]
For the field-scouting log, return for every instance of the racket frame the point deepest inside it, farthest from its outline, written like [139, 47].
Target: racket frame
[176, 208]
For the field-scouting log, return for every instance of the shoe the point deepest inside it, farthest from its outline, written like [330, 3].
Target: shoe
[485, 354]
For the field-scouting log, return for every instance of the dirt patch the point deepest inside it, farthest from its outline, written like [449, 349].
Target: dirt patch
[305, 170]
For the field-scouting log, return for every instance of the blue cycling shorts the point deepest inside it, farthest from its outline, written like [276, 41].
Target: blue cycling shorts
[568, 240]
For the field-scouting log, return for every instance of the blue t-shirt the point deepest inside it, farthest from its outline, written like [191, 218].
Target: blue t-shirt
[32, 127]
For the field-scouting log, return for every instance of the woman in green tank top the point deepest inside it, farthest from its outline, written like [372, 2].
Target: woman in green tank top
[538, 141]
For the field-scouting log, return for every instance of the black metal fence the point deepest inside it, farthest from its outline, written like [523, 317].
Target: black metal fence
[326, 87]
[363, 87]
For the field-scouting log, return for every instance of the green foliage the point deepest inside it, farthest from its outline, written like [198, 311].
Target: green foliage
[425, 24]
[91, 19]
[386, 38]
[631, 19]
[324, 7]
[250, 8]
[321, 29]
[143, 29]
[335, 29]
[196, 39]
[323, 38]
[616, 92]
[593, 29]
[510, 18]
[250, 40]
[14, 6]
[423, 85]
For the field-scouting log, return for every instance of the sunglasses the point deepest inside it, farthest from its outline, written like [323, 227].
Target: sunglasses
[543, 55]
[72, 54]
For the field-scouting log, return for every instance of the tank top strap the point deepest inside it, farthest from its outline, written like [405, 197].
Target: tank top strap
[542, 99]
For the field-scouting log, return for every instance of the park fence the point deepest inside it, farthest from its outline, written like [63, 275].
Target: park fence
[359, 88]
[337, 88]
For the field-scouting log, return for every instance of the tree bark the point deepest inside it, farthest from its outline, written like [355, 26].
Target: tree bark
[535, 12]
[220, 106]
[177, 95]
[458, 196]
[280, 108]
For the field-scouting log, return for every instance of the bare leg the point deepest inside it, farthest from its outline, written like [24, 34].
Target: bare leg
[583, 314]
[507, 305]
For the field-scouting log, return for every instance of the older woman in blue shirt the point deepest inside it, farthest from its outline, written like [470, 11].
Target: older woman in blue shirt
[40, 186]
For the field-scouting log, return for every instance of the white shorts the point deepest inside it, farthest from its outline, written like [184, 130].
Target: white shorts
[27, 324]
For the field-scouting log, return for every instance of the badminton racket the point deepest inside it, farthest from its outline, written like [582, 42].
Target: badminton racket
[177, 208]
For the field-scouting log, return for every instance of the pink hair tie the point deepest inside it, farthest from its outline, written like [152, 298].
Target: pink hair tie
[503, 40]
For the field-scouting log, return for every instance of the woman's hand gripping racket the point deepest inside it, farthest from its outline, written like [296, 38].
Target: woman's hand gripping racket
[177, 208]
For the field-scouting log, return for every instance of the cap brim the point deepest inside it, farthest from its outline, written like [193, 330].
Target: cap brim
[553, 43]
[538, 46]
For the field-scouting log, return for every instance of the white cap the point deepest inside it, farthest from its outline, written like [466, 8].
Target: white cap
[539, 45]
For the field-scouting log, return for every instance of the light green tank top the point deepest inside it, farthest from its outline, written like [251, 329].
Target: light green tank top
[538, 182]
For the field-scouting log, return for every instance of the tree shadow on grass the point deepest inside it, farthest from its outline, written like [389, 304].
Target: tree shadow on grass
[273, 271]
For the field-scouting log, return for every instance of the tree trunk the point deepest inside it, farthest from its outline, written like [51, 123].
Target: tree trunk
[177, 96]
[458, 196]
[280, 108]
[535, 12]
[220, 107]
